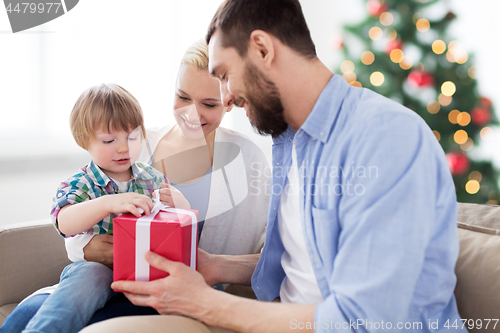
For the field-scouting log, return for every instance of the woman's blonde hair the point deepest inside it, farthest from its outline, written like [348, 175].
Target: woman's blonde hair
[106, 107]
[196, 55]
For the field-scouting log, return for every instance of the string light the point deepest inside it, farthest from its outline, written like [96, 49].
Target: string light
[377, 79]
[439, 46]
[386, 18]
[437, 135]
[397, 56]
[472, 186]
[375, 33]
[460, 137]
[367, 58]
[423, 25]
[448, 88]
[433, 107]
[444, 100]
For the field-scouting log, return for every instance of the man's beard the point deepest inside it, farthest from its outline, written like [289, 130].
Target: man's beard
[265, 109]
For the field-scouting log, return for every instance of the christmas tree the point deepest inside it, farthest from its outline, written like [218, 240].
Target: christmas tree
[402, 50]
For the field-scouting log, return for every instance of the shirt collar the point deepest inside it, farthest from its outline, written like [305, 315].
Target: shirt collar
[139, 171]
[97, 175]
[320, 121]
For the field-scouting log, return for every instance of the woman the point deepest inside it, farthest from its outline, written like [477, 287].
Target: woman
[220, 172]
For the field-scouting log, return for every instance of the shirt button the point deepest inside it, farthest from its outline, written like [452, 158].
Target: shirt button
[322, 136]
[300, 134]
[314, 139]
[59, 194]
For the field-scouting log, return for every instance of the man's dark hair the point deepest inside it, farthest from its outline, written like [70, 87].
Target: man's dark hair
[284, 19]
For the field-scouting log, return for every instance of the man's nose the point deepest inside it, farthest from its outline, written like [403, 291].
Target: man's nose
[226, 96]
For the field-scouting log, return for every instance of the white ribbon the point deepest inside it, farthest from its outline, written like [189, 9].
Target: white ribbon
[143, 237]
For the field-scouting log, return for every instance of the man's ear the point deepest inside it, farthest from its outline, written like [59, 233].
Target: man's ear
[261, 47]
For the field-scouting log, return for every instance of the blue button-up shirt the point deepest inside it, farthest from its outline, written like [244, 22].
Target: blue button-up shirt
[379, 214]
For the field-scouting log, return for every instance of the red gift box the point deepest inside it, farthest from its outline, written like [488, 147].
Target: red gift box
[172, 235]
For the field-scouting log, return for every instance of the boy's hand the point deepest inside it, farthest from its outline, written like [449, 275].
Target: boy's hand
[172, 197]
[128, 202]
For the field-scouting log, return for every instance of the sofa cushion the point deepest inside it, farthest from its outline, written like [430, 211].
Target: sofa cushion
[5, 311]
[478, 266]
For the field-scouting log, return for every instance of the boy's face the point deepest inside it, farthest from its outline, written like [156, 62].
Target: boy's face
[115, 152]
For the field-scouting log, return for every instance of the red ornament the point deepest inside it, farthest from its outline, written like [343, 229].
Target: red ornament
[392, 45]
[480, 116]
[485, 102]
[375, 8]
[459, 163]
[417, 79]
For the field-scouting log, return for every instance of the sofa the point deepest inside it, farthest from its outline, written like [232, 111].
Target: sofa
[32, 255]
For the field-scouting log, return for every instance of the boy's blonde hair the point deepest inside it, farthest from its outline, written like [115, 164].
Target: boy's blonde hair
[196, 55]
[104, 107]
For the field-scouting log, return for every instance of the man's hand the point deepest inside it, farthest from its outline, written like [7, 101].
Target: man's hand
[100, 249]
[172, 197]
[128, 202]
[180, 293]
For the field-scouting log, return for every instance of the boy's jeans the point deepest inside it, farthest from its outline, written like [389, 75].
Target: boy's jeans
[84, 287]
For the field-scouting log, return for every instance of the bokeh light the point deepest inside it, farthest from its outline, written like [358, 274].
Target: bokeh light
[467, 145]
[448, 88]
[375, 33]
[397, 56]
[437, 135]
[453, 115]
[406, 64]
[349, 77]
[444, 100]
[485, 133]
[347, 66]
[472, 72]
[433, 107]
[386, 18]
[439, 46]
[475, 175]
[463, 119]
[460, 137]
[356, 84]
[390, 34]
[367, 58]
[377, 79]
[472, 186]
[423, 25]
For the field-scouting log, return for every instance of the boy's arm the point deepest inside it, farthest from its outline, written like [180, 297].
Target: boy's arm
[76, 218]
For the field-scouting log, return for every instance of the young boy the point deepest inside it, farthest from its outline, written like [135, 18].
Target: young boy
[106, 121]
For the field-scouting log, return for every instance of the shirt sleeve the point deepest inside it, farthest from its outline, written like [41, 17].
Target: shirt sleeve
[396, 236]
[74, 246]
[72, 191]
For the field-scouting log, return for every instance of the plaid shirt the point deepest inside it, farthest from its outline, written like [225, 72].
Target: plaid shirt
[91, 183]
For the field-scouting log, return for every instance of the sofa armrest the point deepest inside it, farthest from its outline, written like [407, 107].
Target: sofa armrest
[32, 256]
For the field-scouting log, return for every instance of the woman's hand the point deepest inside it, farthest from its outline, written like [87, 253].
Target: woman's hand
[100, 249]
[172, 197]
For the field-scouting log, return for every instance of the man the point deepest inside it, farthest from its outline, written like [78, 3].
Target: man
[361, 231]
